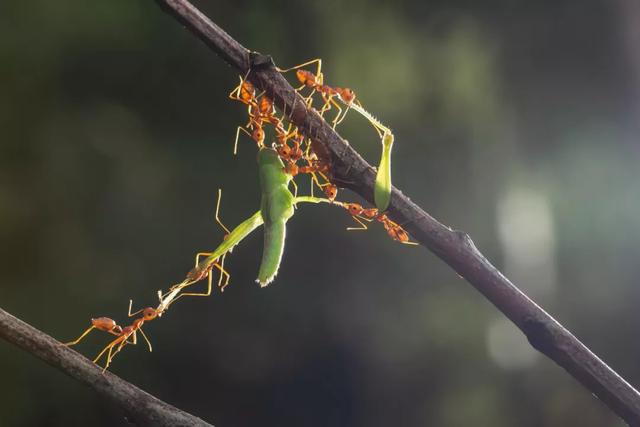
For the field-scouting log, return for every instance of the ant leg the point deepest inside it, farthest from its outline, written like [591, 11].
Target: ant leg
[199, 254]
[223, 273]
[235, 93]
[80, 337]
[237, 89]
[313, 61]
[308, 100]
[311, 185]
[362, 227]
[146, 339]
[130, 314]
[335, 120]
[235, 144]
[196, 294]
[328, 100]
[308, 148]
[314, 179]
[124, 342]
[175, 288]
[295, 189]
[108, 347]
[218, 211]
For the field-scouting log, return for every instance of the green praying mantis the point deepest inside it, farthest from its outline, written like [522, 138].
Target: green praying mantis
[276, 208]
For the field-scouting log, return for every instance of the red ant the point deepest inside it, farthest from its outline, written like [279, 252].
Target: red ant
[316, 83]
[393, 229]
[108, 325]
[127, 332]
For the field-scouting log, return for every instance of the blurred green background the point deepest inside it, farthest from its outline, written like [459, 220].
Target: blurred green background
[516, 121]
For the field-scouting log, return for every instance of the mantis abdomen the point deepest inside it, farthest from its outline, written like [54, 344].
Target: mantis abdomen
[274, 236]
[276, 209]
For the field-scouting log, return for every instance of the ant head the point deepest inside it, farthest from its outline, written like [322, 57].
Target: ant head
[346, 94]
[149, 313]
[331, 191]
[354, 208]
[284, 151]
[258, 135]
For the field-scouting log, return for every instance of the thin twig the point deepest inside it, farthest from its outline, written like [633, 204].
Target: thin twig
[452, 246]
[140, 407]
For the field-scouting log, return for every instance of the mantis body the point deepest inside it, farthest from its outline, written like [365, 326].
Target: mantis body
[276, 208]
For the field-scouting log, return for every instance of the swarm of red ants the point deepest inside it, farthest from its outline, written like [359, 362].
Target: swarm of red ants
[296, 152]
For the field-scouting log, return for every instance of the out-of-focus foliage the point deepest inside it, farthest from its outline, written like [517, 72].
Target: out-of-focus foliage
[513, 120]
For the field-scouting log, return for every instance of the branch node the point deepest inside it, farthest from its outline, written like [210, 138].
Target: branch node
[258, 61]
[540, 335]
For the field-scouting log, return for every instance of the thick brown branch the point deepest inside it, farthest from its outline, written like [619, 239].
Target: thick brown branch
[453, 247]
[140, 407]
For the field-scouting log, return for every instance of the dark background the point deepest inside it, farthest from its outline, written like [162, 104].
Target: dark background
[516, 121]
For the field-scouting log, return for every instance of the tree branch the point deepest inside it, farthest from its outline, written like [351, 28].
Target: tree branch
[141, 408]
[452, 246]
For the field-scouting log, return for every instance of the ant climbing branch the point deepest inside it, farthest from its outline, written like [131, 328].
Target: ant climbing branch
[140, 407]
[453, 247]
